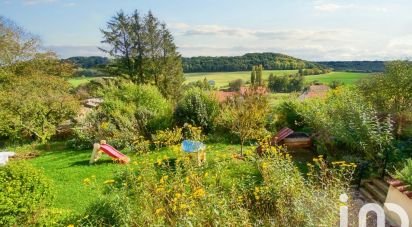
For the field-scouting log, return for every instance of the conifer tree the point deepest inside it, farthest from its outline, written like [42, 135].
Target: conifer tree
[253, 76]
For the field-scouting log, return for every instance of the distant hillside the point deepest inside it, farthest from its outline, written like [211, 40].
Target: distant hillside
[355, 66]
[89, 62]
[270, 61]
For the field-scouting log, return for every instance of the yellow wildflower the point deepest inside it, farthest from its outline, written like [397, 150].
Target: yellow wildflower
[86, 181]
[109, 182]
[160, 210]
[199, 193]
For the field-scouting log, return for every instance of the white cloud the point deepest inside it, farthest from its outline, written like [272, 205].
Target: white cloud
[330, 7]
[69, 4]
[309, 43]
[37, 2]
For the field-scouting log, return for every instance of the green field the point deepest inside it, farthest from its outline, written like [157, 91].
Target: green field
[345, 77]
[222, 79]
[76, 81]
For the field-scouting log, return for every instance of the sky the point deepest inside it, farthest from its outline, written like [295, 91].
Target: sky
[316, 30]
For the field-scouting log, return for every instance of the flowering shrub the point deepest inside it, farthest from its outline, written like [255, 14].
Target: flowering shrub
[179, 192]
[24, 192]
[165, 138]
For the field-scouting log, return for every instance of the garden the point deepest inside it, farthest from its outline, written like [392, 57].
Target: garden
[137, 119]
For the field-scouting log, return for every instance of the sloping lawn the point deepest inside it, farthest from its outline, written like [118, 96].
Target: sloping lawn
[78, 184]
[348, 78]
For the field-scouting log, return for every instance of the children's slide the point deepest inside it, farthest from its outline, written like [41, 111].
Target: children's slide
[112, 152]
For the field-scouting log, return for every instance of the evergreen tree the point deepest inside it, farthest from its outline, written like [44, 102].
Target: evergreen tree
[144, 51]
[253, 76]
[259, 73]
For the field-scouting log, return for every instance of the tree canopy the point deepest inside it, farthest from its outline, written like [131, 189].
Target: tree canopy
[269, 61]
[144, 51]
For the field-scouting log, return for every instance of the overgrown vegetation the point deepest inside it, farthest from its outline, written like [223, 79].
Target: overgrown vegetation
[24, 193]
[198, 108]
[183, 193]
[144, 109]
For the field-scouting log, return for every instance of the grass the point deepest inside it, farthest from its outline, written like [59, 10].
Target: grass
[347, 78]
[69, 168]
[222, 79]
[277, 98]
[76, 81]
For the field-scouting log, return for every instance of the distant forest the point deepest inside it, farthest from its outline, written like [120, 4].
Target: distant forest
[270, 61]
[355, 66]
[89, 62]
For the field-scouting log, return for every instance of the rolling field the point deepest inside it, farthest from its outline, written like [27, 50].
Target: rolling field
[222, 79]
[347, 78]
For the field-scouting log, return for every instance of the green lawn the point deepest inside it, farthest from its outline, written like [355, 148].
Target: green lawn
[222, 79]
[76, 81]
[347, 78]
[70, 169]
[276, 98]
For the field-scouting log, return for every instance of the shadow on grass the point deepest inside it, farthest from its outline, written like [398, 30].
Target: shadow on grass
[86, 163]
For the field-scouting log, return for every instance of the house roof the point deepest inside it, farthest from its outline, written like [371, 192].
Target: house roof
[315, 91]
[224, 95]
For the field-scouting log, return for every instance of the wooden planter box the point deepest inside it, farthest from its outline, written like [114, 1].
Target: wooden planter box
[298, 140]
[399, 194]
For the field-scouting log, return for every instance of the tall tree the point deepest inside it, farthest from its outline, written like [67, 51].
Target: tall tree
[391, 92]
[15, 43]
[259, 75]
[145, 52]
[21, 54]
[245, 116]
[253, 75]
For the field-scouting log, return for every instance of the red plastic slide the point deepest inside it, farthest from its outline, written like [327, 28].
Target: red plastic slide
[112, 152]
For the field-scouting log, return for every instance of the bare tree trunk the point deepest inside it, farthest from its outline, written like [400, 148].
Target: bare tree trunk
[241, 147]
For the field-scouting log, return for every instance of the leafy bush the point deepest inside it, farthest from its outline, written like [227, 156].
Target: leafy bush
[345, 118]
[165, 138]
[24, 192]
[34, 106]
[335, 84]
[235, 85]
[127, 117]
[405, 174]
[198, 108]
[289, 116]
[245, 116]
